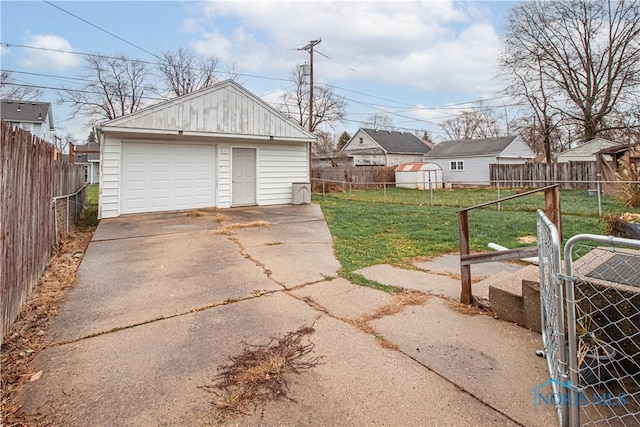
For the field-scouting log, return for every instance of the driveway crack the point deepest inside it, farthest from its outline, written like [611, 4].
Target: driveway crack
[257, 262]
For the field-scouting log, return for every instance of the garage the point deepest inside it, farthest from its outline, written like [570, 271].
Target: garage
[167, 176]
[221, 146]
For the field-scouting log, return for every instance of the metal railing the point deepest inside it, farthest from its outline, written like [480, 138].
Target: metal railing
[594, 357]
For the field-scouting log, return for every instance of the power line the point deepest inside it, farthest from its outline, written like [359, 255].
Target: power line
[101, 29]
[448, 106]
[98, 55]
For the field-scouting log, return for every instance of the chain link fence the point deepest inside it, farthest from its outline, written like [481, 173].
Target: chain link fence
[551, 307]
[591, 334]
[603, 315]
[66, 212]
[583, 198]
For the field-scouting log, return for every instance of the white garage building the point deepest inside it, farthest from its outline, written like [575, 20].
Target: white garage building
[221, 146]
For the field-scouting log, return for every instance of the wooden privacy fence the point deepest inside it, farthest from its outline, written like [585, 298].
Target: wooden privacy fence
[571, 175]
[29, 180]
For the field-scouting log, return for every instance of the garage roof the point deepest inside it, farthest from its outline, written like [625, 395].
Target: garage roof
[225, 109]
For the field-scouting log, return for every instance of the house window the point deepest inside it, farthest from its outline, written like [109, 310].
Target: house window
[456, 165]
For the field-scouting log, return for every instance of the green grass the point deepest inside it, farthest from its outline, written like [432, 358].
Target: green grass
[368, 233]
[574, 202]
[89, 217]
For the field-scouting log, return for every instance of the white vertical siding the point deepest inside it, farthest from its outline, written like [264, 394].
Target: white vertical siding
[224, 175]
[279, 166]
[110, 178]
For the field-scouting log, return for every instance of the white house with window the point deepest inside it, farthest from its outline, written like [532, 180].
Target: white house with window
[35, 117]
[374, 147]
[467, 161]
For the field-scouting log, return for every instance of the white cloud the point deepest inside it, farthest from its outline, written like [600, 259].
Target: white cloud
[50, 59]
[433, 45]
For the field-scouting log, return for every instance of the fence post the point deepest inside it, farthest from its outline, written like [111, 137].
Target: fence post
[598, 176]
[466, 296]
[385, 192]
[67, 230]
[552, 207]
[349, 190]
[323, 187]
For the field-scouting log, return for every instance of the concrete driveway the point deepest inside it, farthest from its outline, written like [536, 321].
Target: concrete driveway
[163, 300]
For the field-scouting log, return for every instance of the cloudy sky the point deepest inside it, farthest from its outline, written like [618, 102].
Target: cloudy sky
[418, 62]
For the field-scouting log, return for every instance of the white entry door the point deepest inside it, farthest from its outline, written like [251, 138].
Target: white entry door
[244, 176]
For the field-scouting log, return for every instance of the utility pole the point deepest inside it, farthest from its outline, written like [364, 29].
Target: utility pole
[309, 48]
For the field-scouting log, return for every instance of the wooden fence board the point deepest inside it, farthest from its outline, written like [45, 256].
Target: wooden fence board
[571, 175]
[29, 179]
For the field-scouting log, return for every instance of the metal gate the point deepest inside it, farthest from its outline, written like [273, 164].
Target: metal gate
[601, 304]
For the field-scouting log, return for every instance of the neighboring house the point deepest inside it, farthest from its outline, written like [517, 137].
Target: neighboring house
[585, 152]
[35, 117]
[370, 147]
[89, 156]
[467, 161]
[220, 146]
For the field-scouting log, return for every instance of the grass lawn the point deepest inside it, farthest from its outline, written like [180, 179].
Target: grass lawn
[89, 217]
[367, 233]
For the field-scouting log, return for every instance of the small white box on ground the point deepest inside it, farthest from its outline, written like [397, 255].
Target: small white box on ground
[301, 193]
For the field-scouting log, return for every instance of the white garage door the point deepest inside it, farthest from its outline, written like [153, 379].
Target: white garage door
[166, 177]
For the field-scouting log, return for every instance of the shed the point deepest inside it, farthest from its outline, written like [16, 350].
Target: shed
[221, 146]
[421, 176]
[585, 152]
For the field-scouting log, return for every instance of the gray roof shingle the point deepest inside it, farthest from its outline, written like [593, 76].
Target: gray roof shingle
[471, 147]
[398, 142]
[26, 111]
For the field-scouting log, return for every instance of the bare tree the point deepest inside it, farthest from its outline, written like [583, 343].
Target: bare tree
[10, 89]
[583, 56]
[181, 72]
[471, 124]
[540, 138]
[380, 121]
[523, 73]
[116, 86]
[328, 107]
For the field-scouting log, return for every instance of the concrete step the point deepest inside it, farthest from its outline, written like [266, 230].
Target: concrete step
[512, 296]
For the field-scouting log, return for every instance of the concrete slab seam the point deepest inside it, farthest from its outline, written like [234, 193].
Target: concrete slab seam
[93, 240]
[394, 347]
[229, 301]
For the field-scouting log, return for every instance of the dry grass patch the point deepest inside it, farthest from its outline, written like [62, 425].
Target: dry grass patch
[230, 228]
[261, 374]
[27, 335]
[220, 217]
[398, 303]
[468, 309]
[527, 239]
